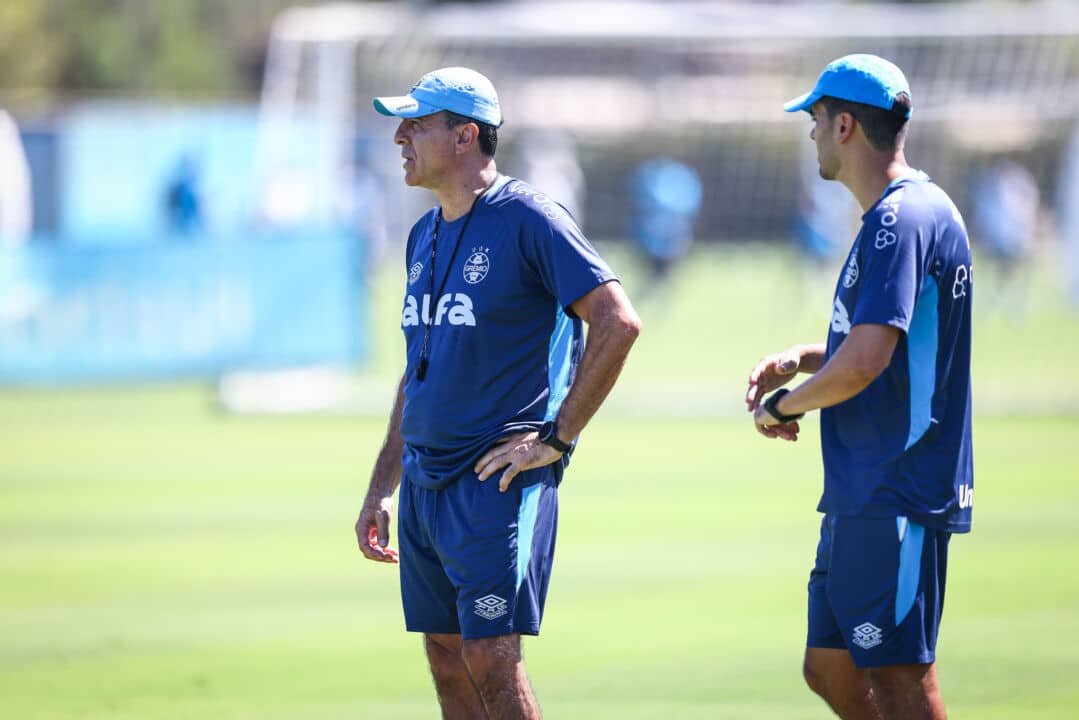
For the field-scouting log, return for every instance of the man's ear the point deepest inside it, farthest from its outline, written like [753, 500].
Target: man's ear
[844, 126]
[467, 135]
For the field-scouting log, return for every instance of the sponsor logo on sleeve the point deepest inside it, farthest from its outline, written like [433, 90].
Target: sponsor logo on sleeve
[888, 218]
[962, 279]
[414, 273]
[548, 207]
[850, 275]
[884, 239]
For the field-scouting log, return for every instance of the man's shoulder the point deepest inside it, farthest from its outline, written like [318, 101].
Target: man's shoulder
[522, 202]
[920, 196]
[908, 206]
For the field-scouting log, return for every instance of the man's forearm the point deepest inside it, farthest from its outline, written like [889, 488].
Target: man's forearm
[861, 358]
[830, 386]
[387, 473]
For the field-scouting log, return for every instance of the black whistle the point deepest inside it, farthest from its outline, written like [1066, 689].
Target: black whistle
[421, 369]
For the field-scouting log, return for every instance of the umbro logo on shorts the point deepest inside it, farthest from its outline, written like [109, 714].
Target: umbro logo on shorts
[491, 607]
[867, 636]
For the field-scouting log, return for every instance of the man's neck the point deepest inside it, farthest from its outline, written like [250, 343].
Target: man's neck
[458, 196]
[871, 176]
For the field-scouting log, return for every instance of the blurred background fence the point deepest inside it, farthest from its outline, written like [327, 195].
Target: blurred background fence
[698, 81]
[154, 151]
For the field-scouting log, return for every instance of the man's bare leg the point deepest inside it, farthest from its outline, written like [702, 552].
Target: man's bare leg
[498, 670]
[457, 694]
[909, 692]
[832, 674]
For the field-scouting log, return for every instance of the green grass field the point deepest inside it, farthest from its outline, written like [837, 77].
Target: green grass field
[162, 560]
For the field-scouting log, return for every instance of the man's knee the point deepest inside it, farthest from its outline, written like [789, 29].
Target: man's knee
[444, 655]
[492, 660]
[905, 680]
[828, 673]
[813, 674]
[908, 691]
[832, 674]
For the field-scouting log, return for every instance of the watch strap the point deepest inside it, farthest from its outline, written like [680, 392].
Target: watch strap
[770, 405]
[549, 436]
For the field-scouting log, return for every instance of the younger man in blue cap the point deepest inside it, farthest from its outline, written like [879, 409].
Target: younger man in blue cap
[499, 384]
[893, 386]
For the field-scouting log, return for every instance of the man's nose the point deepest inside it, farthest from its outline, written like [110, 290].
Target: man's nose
[399, 137]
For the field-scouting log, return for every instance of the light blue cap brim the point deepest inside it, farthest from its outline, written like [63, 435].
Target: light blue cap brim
[459, 90]
[403, 106]
[860, 78]
[802, 102]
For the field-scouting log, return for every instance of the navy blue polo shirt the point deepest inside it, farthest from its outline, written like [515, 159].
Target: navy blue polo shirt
[902, 446]
[504, 345]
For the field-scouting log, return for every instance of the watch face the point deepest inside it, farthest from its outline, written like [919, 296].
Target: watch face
[546, 431]
[549, 436]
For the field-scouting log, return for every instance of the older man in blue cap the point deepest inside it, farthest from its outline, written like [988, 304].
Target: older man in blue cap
[499, 383]
[892, 383]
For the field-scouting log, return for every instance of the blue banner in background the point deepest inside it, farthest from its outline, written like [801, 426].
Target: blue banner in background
[77, 313]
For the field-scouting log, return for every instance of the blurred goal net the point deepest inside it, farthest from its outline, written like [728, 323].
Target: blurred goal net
[702, 83]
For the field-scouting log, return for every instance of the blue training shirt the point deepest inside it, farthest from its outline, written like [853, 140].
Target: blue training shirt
[902, 446]
[504, 346]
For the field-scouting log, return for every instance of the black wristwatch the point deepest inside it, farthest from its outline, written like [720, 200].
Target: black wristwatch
[770, 406]
[548, 435]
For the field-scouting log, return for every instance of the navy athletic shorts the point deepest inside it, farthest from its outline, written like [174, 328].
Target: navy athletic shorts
[474, 561]
[877, 589]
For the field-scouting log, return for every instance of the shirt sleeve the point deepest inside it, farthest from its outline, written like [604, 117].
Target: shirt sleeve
[891, 255]
[567, 264]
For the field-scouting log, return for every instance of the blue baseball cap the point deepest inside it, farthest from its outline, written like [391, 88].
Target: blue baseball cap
[860, 78]
[457, 89]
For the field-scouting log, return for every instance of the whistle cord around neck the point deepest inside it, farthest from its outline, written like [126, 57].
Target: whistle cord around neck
[432, 303]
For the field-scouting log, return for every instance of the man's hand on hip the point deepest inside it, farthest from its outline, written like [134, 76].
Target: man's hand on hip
[373, 530]
[520, 452]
